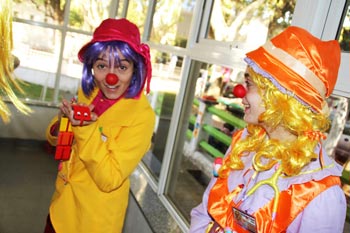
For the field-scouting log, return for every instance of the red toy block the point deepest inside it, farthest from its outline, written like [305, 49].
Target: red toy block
[62, 152]
[65, 138]
[81, 113]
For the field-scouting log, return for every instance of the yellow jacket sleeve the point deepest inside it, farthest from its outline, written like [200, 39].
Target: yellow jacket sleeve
[52, 139]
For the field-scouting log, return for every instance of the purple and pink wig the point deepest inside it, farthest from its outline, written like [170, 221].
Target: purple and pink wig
[93, 52]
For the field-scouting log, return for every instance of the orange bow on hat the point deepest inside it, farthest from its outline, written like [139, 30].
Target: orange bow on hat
[300, 65]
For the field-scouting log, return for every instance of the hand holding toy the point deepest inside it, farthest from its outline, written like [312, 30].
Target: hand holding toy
[82, 113]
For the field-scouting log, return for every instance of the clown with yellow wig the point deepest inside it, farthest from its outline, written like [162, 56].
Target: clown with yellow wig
[276, 176]
[92, 185]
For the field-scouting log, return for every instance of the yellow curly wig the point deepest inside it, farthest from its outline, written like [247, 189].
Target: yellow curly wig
[281, 110]
[7, 79]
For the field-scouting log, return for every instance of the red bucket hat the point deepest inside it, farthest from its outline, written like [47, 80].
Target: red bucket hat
[300, 65]
[121, 30]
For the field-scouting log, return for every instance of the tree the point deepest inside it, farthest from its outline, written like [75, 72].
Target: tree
[229, 19]
[85, 14]
[344, 37]
[52, 8]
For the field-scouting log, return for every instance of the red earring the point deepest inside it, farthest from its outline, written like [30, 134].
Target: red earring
[111, 79]
[239, 91]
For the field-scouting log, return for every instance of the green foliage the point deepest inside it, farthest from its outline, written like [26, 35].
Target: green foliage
[76, 18]
[41, 2]
[230, 18]
[282, 16]
[34, 91]
[344, 40]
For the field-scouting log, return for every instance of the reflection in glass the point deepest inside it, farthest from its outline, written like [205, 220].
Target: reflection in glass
[344, 37]
[337, 133]
[52, 13]
[171, 24]
[210, 118]
[38, 54]
[248, 21]
[164, 88]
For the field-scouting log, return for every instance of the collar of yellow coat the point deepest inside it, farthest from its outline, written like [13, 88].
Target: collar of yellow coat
[122, 109]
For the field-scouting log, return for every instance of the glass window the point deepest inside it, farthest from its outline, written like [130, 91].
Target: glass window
[71, 68]
[209, 120]
[38, 54]
[248, 21]
[337, 143]
[165, 86]
[171, 24]
[344, 33]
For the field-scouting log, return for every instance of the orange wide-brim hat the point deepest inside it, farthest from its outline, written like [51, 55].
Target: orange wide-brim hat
[299, 65]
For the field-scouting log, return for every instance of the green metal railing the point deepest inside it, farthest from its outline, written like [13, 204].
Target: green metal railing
[214, 132]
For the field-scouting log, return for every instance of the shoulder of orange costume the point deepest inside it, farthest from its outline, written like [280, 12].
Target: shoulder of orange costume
[239, 134]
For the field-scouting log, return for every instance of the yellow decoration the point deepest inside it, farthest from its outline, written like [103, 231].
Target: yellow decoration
[272, 182]
[64, 124]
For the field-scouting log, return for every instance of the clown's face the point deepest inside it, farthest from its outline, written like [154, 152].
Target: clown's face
[124, 71]
[252, 101]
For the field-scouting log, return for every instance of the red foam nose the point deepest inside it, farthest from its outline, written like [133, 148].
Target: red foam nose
[111, 79]
[239, 91]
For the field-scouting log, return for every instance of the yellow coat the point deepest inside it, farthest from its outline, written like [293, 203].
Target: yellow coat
[92, 188]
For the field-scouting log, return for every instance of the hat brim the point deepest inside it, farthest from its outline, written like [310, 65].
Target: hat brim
[87, 45]
[284, 78]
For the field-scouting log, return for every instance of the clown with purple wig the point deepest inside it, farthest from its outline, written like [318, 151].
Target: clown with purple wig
[92, 186]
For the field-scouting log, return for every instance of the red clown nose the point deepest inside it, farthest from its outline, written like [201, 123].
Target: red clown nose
[239, 91]
[111, 79]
